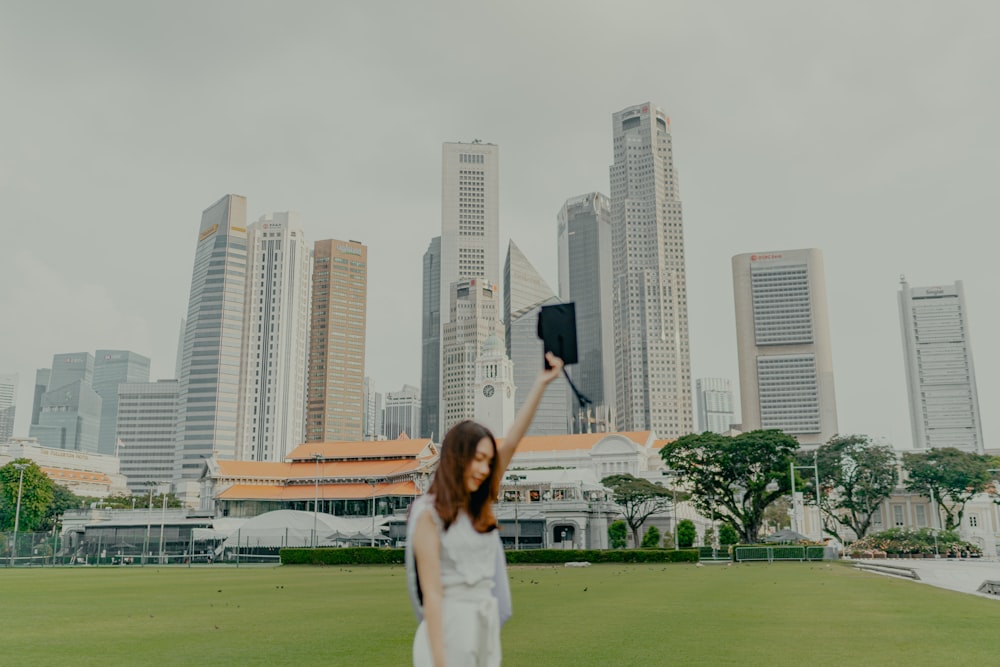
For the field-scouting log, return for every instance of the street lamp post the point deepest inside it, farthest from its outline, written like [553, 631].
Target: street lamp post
[149, 521]
[517, 524]
[17, 512]
[673, 502]
[315, 541]
[163, 520]
[374, 483]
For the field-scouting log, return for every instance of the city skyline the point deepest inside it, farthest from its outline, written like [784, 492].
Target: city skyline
[783, 139]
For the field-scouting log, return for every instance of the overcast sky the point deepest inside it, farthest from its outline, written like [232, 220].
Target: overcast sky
[865, 129]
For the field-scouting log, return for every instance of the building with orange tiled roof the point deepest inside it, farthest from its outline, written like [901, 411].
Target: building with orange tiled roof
[339, 478]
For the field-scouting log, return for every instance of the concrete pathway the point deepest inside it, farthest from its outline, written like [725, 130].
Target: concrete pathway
[965, 576]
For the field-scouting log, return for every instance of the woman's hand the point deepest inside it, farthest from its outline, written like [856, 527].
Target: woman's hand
[555, 368]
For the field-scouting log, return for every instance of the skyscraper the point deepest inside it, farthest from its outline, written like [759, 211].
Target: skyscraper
[69, 409]
[470, 228]
[783, 344]
[213, 331]
[473, 316]
[147, 428]
[335, 394]
[371, 418]
[524, 293]
[940, 377]
[430, 364]
[652, 353]
[585, 278]
[402, 412]
[112, 368]
[276, 340]
[8, 403]
[714, 399]
[470, 232]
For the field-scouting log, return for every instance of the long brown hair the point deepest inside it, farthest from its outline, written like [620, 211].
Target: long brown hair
[448, 487]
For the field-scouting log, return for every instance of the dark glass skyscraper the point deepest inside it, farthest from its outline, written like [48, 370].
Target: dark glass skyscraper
[430, 364]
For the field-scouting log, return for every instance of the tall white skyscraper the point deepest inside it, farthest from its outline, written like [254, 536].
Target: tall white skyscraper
[714, 400]
[473, 316]
[276, 340]
[940, 377]
[470, 235]
[8, 403]
[652, 351]
[585, 278]
[783, 344]
[146, 429]
[213, 331]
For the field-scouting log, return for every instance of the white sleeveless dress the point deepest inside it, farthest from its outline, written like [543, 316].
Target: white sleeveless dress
[470, 613]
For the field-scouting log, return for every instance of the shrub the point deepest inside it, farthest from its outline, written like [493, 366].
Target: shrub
[602, 556]
[342, 556]
[617, 534]
[651, 539]
[686, 533]
[728, 535]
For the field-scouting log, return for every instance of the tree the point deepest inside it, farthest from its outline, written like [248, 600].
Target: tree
[617, 534]
[949, 476]
[686, 532]
[651, 539]
[36, 494]
[638, 499]
[728, 535]
[855, 476]
[733, 478]
[62, 499]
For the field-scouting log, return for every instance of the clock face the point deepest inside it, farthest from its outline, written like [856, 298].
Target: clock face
[488, 390]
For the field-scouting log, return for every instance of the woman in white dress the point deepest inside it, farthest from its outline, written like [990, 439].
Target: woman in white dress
[454, 555]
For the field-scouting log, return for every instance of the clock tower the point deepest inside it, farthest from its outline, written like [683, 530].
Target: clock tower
[494, 387]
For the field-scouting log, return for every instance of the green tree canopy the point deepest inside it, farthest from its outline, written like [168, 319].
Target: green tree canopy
[733, 478]
[62, 499]
[651, 539]
[36, 495]
[638, 499]
[728, 535]
[856, 476]
[950, 476]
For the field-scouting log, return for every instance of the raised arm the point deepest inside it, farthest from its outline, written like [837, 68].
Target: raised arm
[527, 412]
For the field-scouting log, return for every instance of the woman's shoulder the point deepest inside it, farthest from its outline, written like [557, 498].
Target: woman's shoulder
[423, 504]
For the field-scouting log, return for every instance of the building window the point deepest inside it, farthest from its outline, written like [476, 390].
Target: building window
[897, 515]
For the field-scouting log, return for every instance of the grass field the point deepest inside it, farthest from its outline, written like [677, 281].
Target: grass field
[780, 614]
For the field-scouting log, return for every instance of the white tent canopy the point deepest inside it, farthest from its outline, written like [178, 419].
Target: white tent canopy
[291, 528]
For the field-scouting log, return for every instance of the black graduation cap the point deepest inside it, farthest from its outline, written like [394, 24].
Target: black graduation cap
[557, 329]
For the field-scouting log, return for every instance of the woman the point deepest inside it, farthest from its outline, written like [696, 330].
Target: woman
[454, 555]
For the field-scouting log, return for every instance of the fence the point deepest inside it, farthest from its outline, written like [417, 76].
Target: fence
[32, 549]
[771, 554]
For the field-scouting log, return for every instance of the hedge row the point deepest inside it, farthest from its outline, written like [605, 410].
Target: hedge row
[603, 556]
[370, 556]
[342, 556]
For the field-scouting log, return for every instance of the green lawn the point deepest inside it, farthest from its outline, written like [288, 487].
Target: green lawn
[679, 614]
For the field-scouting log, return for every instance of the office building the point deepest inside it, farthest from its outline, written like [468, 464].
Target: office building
[714, 400]
[470, 232]
[371, 422]
[783, 344]
[276, 340]
[652, 352]
[42, 376]
[147, 432]
[335, 384]
[430, 359]
[585, 279]
[473, 316]
[525, 292]
[8, 403]
[112, 368]
[213, 331]
[402, 413]
[430, 363]
[940, 377]
[69, 410]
